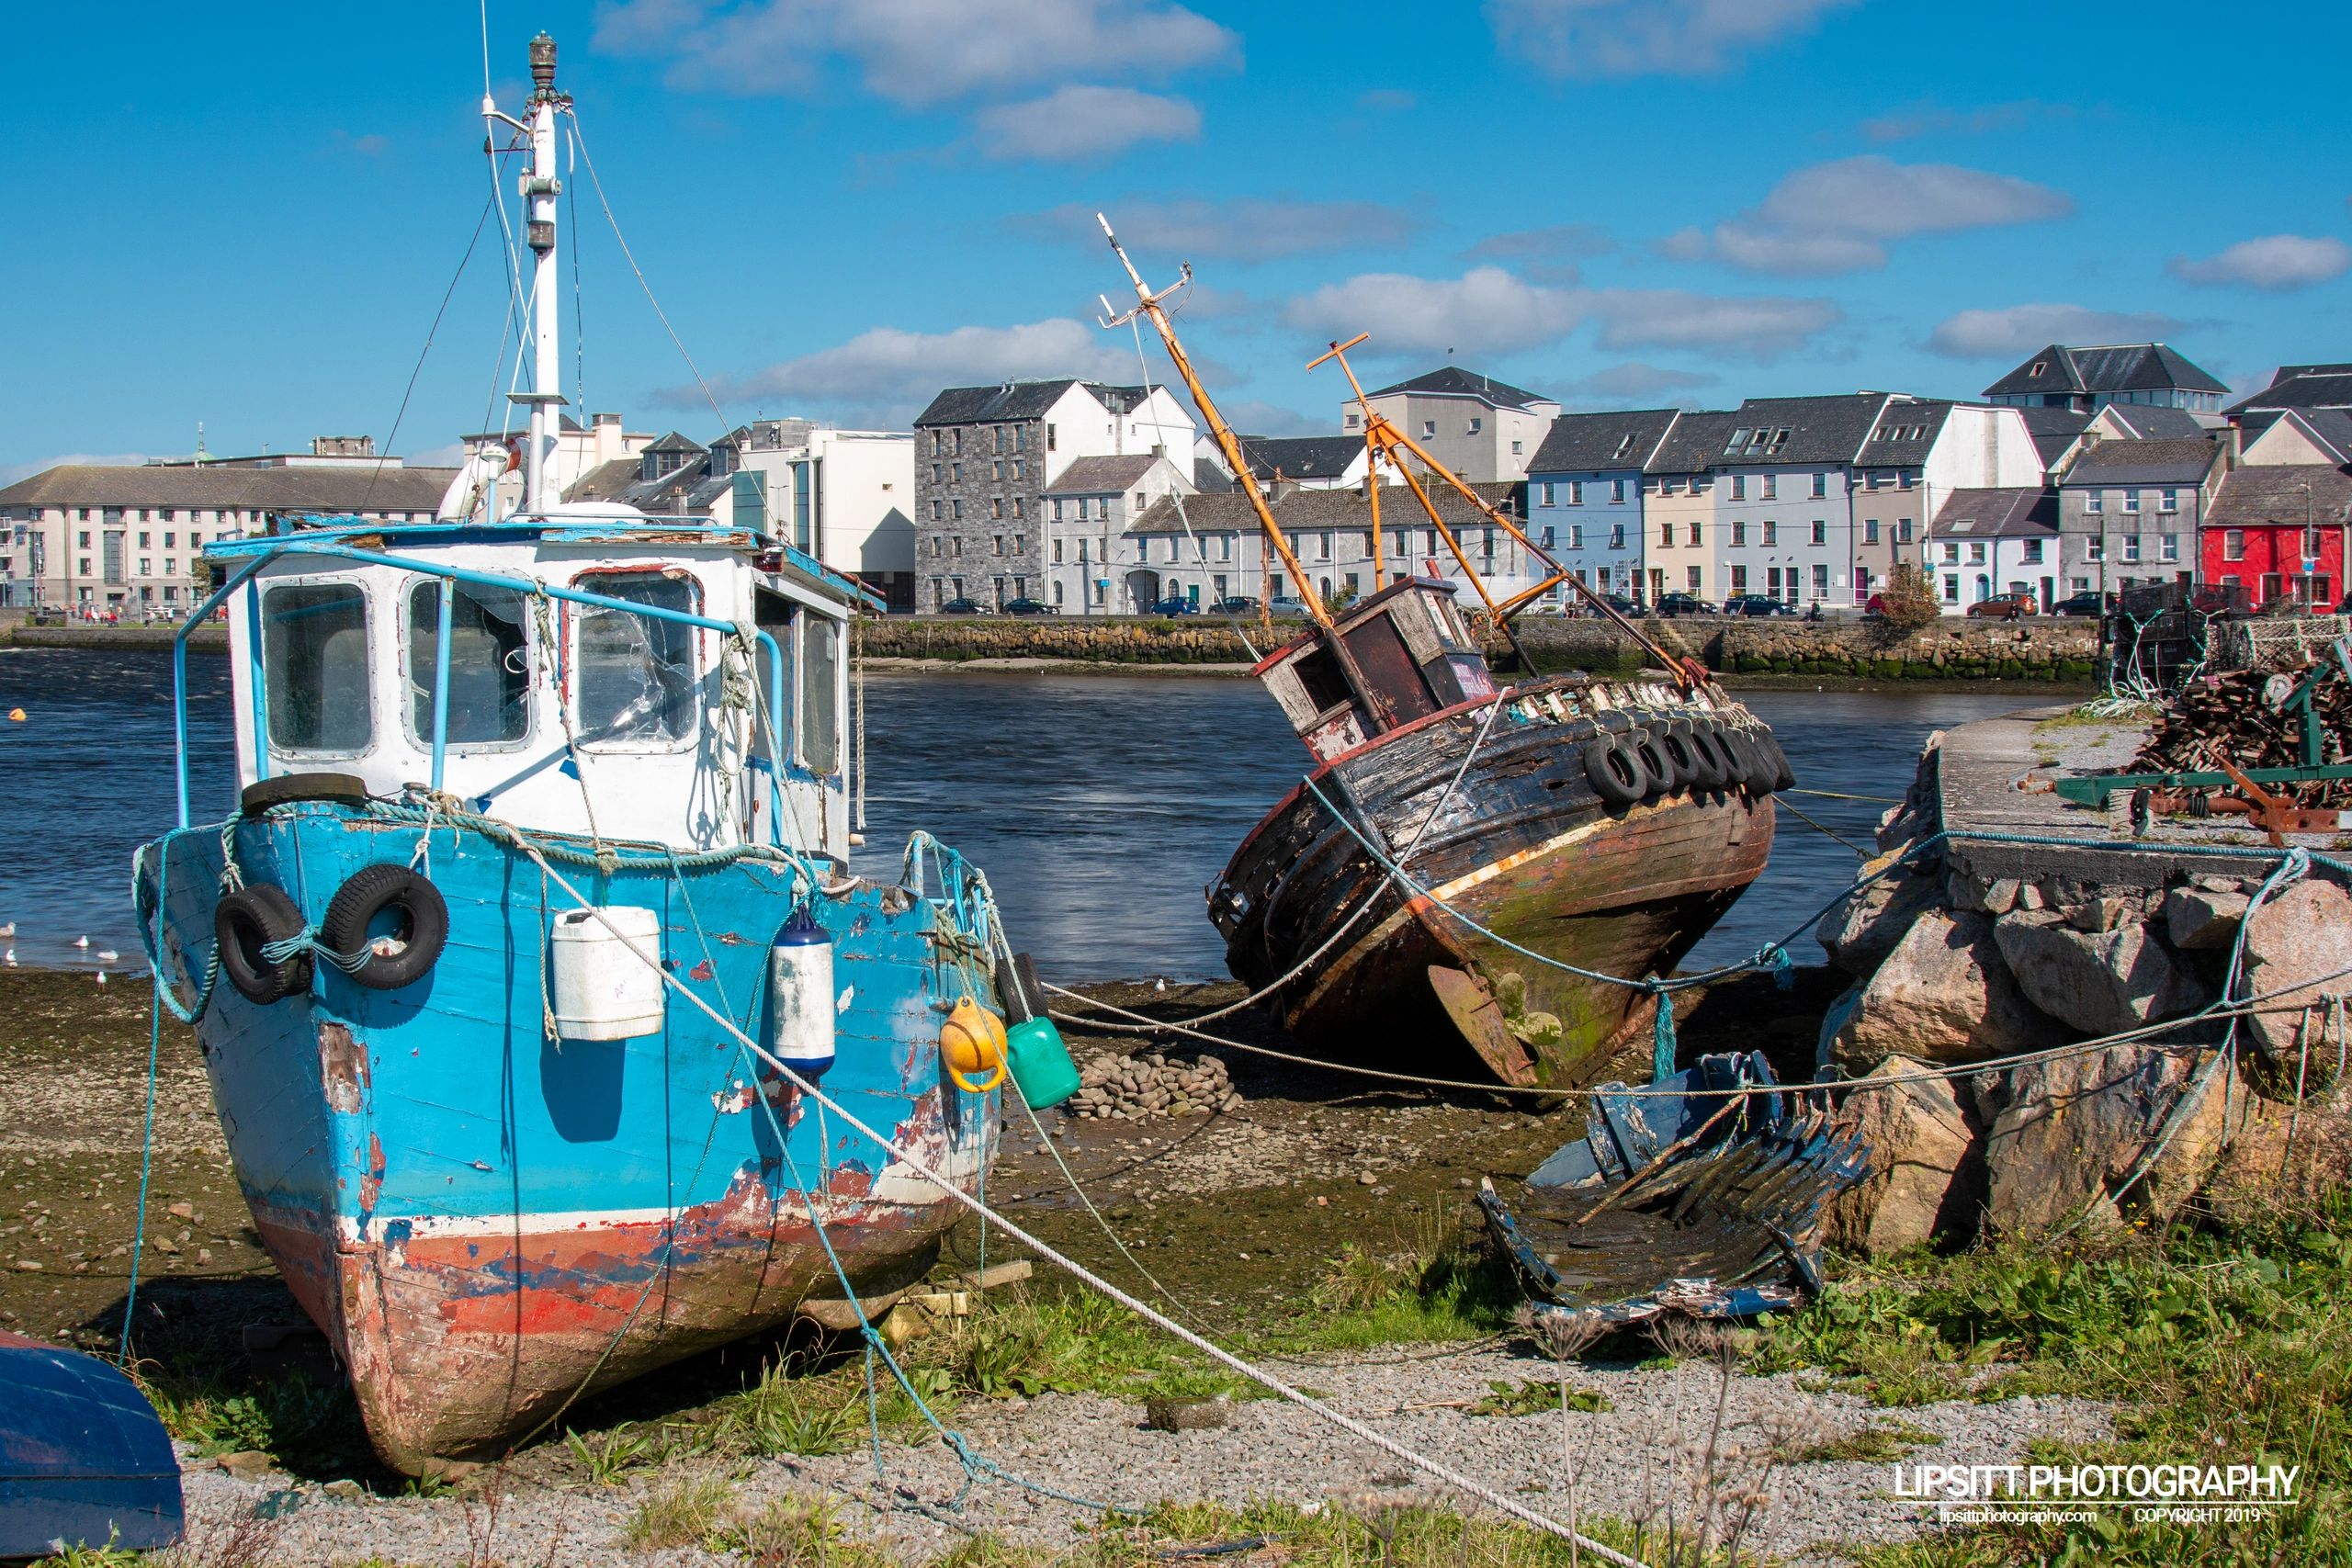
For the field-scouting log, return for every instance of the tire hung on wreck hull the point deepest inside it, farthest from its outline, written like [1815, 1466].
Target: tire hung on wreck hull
[1603, 825]
[488, 1221]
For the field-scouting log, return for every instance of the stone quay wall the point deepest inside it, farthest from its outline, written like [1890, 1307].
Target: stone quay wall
[2052, 651]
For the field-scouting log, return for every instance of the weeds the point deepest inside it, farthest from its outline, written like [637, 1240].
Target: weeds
[609, 1457]
[797, 1532]
[693, 1512]
[1874, 1445]
[1533, 1398]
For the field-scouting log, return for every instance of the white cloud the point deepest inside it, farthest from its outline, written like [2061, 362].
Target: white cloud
[1485, 310]
[1635, 381]
[2022, 328]
[1558, 241]
[1760, 326]
[1631, 38]
[1075, 122]
[11, 472]
[1925, 118]
[2277, 263]
[885, 375]
[911, 51]
[1840, 216]
[1247, 229]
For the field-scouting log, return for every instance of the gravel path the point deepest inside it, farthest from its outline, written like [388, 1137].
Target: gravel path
[1632, 1457]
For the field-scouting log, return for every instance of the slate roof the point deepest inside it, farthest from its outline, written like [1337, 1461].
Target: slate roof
[2328, 388]
[2155, 423]
[339, 488]
[1596, 443]
[1100, 476]
[1906, 430]
[1329, 509]
[2053, 430]
[1453, 381]
[1695, 443]
[672, 442]
[2112, 368]
[2333, 426]
[2174, 462]
[2257, 494]
[1818, 430]
[1012, 400]
[2288, 372]
[606, 481]
[1302, 457]
[2009, 513]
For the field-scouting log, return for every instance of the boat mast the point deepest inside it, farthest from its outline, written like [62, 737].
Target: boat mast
[538, 186]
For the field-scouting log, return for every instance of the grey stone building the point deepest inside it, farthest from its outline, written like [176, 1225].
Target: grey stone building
[2129, 512]
[984, 459]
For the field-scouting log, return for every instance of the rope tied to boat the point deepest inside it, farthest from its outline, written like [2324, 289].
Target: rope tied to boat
[307, 941]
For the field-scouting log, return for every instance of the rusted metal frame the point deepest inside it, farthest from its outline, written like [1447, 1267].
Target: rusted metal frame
[1382, 712]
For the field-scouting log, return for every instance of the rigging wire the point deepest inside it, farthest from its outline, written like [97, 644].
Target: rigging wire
[430, 333]
[589, 158]
[578, 304]
[1200, 551]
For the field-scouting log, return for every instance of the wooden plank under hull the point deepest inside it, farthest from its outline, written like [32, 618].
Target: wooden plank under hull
[1524, 847]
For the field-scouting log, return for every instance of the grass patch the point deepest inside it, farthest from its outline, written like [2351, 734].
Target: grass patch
[1880, 1444]
[2219, 1341]
[693, 1512]
[1535, 1397]
[793, 1531]
[307, 1428]
[1363, 1531]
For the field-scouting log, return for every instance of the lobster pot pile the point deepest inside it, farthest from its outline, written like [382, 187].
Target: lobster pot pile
[2236, 716]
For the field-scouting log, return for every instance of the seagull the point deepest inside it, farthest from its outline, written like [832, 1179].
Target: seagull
[107, 956]
[1159, 985]
[102, 976]
[81, 942]
[12, 958]
[8, 930]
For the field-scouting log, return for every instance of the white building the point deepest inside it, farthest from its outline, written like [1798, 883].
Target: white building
[846, 497]
[1483, 429]
[1087, 512]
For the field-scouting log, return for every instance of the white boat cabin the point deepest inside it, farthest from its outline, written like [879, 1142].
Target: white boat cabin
[1414, 651]
[555, 708]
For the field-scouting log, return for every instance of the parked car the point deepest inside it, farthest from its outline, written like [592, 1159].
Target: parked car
[1756, 604]
[2085, 604]
[1176, 606]
[1030, 607]
[2015, 606]
[962, 607]
[1618, 603]
[1672, 605]
[1292, 607]
[1236, 605]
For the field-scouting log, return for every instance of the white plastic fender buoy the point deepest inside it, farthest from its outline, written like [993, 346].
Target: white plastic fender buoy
[800, 996]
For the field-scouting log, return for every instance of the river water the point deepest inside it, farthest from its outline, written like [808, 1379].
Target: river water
[1101, 805]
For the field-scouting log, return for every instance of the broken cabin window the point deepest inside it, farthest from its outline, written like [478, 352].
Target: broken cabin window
[820, 713]
[636, 675]
[314, 659]
[489, 664]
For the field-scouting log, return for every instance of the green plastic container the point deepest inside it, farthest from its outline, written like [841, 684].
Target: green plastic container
[1040, 1063]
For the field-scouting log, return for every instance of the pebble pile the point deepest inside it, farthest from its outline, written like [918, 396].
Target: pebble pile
[1132, 1088]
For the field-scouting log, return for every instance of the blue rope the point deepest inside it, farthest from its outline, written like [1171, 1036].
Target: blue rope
[147, 1137]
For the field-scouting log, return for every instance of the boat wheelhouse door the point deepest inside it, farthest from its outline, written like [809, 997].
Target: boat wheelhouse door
[811, 780]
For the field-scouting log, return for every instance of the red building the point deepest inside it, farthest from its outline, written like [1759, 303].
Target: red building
[2277, 530]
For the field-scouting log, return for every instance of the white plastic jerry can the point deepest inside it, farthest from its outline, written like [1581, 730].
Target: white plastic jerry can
[800, 996]
[603, 990]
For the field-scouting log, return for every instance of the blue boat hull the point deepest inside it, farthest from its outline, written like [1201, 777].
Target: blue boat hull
[488, 1221]
[84, 1459]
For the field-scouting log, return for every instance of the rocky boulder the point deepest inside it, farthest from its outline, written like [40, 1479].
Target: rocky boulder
[1925, 1173]
[2296, 944]
[2102, 982]
[2201, 918]
[1862, 927]
[1943, 994]
[2070, 1133]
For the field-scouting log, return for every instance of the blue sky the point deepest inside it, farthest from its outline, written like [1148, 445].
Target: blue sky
[247, 216]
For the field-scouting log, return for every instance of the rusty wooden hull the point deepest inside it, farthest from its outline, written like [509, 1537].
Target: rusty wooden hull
[489, 1222]
[1522, 845]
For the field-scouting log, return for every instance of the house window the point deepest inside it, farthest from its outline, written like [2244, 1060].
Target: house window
[2095, 548]
[1905, 479]
[1739, 487]
[1771, 486]
[1020, 507]
[1739, 580]
[2232, 543]
[1477, 425]
[1821, 582]
[1517, 447]
[2168, 500]
[1952, 588]
[1058, 549]
[1820, 485]
[2167, 547]
[1820, 531]
[1576, 536]
[2130, 500]
[2311, 543]
[1616, 538]
[1323, 547]
[1429, 428]
[1351, 425]
[1903, 530]
[1771, 534]
[1666, 533]
[1691, 533]
[1977, 552]
[1691, 579]
[956, 513]
[1617, 491]
[1575, 496]
[2032, 552]
[1869, 530]
[2094, 503]
[1547, 495]
[1050, 438]
[1738, 531]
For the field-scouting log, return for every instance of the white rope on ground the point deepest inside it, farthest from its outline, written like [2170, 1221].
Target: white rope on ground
[1146, 1024]
[1077, 1270]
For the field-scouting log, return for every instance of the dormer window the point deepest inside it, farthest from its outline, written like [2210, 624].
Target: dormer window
[1624, 445]
[1738, 439]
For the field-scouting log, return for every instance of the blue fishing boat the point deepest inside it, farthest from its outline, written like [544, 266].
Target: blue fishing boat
[525, 789]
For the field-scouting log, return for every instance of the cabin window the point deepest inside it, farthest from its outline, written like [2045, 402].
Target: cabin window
[821, 712]
[314, 660]
[637, 674]
[489, 664]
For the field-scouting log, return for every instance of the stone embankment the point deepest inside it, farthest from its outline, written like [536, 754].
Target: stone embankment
[1954, 965]
[2043, 651]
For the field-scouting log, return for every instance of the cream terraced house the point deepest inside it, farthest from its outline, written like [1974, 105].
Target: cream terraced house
[1484, 430]
[126, 538]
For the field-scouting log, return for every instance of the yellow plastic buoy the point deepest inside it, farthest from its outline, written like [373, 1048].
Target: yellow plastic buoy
[972, 1043]
[15, 715]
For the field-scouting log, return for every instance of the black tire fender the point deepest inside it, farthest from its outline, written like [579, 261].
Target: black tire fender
[422, 932]
[1784, 776]
[1616, 774]
[1674, 746]
[1705, 744]
[1658, 773]
[286, 788]
[243, 923]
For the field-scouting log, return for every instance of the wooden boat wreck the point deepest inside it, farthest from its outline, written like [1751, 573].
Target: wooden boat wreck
[486, 1130]
[1469, 860]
